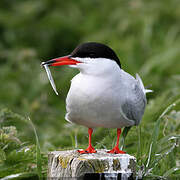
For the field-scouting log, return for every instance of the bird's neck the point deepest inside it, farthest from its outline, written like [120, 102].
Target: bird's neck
[101, 68]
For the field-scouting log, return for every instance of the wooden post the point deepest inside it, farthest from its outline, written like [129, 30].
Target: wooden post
[100, 165]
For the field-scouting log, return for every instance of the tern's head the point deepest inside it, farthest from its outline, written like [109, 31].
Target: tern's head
[87, 56]
[92, 51]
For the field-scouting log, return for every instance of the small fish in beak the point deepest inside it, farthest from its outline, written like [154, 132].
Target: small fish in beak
[50, 77]
[66, 60]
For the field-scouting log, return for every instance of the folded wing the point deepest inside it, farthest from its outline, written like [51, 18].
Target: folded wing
[134, 102]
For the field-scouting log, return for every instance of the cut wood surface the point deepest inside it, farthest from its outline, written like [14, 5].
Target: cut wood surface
[63, 164]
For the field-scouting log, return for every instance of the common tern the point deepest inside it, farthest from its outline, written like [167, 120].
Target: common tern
[102, 94]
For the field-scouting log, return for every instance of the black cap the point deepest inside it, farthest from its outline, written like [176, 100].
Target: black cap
[95, 50]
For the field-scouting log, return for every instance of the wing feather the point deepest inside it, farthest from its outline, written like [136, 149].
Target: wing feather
[135, 101]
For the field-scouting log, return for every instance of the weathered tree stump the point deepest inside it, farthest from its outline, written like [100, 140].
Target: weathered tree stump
[101, 165]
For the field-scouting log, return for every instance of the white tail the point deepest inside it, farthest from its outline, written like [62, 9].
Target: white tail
[142, 85]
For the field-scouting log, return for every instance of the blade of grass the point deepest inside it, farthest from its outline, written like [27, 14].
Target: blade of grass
[38, 152]
[19, 176]
[171, 171]
[139, 149]
[162, 155]
[123, 137]
[155, 134]
[149, 155]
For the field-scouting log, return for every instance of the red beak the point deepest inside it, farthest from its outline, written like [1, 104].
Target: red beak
[65, 60]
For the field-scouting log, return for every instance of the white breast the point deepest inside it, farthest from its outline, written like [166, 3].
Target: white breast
[95, 100]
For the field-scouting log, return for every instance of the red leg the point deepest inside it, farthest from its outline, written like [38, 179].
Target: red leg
[90, 149]
[116, 149]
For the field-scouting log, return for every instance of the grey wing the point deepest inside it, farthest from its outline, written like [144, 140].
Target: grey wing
[134, 103]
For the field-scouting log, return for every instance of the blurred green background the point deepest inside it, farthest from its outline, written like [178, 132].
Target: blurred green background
[144, 34]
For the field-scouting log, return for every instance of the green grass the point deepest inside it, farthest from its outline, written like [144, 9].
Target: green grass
[38, 152]
[159, 149]
[146, 37]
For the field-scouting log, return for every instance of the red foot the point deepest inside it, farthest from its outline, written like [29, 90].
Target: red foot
[90, 149]
[116, 150]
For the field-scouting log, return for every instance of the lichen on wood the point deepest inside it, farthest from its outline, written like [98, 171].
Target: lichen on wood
[73, 164]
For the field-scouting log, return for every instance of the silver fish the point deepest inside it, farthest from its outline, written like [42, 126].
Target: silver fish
[50, 78]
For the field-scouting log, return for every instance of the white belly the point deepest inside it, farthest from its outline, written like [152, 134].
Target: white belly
[94, 102]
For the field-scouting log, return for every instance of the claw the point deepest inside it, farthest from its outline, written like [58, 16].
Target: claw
[116, 150]
[90, 149]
